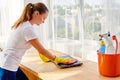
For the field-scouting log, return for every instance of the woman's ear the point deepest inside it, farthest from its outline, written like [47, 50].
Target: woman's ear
[37, 13]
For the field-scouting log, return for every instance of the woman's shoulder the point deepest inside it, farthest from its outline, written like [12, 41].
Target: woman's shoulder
[25, 25]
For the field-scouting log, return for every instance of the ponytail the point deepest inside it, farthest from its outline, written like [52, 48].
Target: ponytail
[28, 11]
[26, 15]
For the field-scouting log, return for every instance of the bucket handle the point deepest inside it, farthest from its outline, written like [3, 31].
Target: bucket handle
[116, 40]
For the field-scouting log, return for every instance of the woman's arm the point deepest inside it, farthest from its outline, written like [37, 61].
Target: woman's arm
[36, 44]
[43, 51]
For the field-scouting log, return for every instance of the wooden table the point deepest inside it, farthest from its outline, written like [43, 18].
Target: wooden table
[35, 69]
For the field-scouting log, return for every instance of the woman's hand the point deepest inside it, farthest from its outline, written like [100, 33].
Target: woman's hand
[65, 60]
[43, 58]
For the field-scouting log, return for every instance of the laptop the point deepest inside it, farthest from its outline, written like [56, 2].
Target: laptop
[61, 65]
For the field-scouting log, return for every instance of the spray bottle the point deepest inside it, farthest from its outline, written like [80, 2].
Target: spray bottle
[109, 44]
[102, 46]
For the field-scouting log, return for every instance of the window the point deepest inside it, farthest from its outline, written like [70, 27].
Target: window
[72, 26]
[67, 26]
[77, 24]
[93, 14]
[66, 19]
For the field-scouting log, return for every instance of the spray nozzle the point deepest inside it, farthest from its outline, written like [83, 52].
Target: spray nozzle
[109, 34]
[101, 36]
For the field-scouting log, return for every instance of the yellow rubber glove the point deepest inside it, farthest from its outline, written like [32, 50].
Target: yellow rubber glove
[65, 60]
[44, 59]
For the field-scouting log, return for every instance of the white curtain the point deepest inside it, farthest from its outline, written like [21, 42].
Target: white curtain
[10, 10]
[112, 16]
[93, 17]
[66, 26]
[72, 26]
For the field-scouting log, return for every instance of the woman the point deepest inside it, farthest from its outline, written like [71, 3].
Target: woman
[21, 39]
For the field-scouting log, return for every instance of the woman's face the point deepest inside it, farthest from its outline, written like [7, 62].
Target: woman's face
[39, 18]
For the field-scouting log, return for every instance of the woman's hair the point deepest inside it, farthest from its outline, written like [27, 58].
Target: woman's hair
[28, 11]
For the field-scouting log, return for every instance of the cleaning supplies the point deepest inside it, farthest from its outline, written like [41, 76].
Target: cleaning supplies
[108, 42]
[66, 61]
[62, 65]
[119, 47]
[118, 39]
[102, 46]
[115, 38]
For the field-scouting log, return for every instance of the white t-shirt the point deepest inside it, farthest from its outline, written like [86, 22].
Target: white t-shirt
[16, 46]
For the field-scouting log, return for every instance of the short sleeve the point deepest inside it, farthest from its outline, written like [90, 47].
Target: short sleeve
[29, 33]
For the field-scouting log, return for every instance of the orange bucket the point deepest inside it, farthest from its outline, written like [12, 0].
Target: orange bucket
[109, 64]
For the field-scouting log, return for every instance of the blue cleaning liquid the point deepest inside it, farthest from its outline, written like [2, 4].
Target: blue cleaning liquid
[102, 49]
